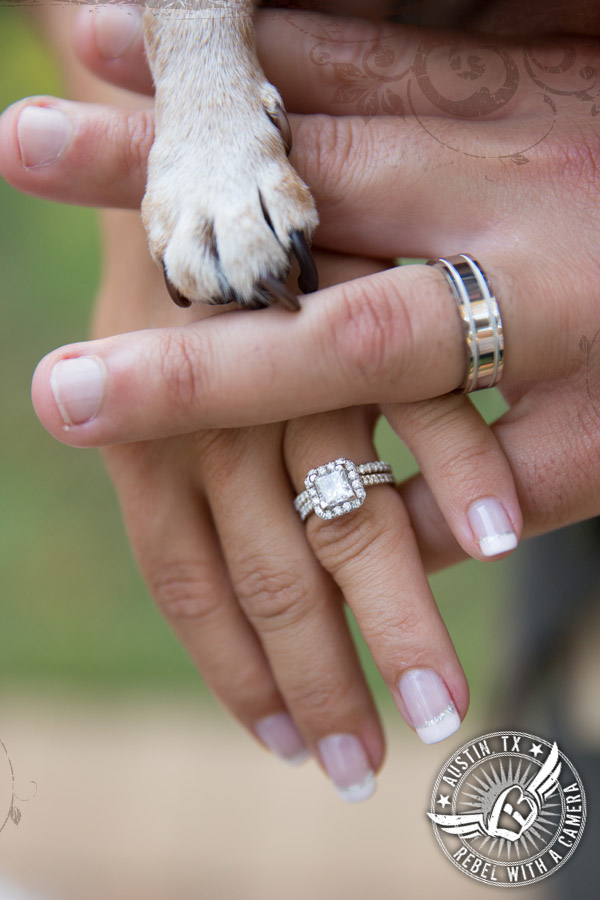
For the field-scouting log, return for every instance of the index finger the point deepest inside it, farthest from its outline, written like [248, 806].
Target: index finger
[393, 336]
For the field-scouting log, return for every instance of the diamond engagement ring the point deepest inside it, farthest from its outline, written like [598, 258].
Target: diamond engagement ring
[480, 317]
[338, 487]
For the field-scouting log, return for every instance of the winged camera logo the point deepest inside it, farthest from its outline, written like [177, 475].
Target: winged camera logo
[508, 809]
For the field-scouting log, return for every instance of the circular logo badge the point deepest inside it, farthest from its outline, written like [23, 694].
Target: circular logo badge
[508, 809]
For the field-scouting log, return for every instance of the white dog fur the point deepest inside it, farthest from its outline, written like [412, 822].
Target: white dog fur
[222, 201]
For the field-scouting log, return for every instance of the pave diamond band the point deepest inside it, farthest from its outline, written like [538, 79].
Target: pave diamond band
[338, 487]
[481, 320]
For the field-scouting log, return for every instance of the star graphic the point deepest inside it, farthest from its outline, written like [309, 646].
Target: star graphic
[536, 749]
[444, 801]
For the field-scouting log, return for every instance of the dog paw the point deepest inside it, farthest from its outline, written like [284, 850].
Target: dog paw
[224, 210]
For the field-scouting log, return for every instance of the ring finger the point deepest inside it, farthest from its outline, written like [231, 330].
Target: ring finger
[372, 555]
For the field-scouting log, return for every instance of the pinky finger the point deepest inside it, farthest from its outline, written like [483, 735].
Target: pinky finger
[465, 469]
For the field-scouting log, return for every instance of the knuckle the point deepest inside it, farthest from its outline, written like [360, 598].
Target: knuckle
[571, 161]
[272, 598]
[400, 631]
[225, 450]
[183, 593]
[435, 417]
[135, 140]
[222, 452]
[184, 356]
[325, 146]
[369, 329]
[465, 465]
[341, 542]
[579, 157]
[322, 699]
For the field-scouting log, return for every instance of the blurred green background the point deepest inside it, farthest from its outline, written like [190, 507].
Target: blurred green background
[74, 609]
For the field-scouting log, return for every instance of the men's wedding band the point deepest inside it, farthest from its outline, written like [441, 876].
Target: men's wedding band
[338, 487]
[480, 315]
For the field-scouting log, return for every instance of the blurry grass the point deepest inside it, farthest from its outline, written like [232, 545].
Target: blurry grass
[74, 610]
[73, 606]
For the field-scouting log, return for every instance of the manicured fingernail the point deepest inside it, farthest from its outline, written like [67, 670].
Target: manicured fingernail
[116, 27]
[429, 705]
[347, 765]
[78, 388]
[492, 527]
[43, 134]
[282, 737]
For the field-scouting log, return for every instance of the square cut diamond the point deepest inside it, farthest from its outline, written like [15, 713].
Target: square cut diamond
[334, 488]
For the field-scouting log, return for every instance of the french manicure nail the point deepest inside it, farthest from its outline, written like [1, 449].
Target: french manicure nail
[492, 527]
[347, 764]
[429, 705]
[43, 133]
[116, 27]
[282, 737]
[78, 388]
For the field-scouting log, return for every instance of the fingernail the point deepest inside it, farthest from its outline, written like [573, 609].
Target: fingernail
[116, 27]
[492, 527]
[78, 388]
[282, 737]
[429, 705]
[43, 134]
[347, 765]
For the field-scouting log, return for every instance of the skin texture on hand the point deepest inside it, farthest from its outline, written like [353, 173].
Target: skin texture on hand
[371, 337]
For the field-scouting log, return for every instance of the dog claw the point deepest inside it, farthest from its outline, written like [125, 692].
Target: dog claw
[278, 117]
[278, 291]
[174, 294]
[261, 299]
[308, 280]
